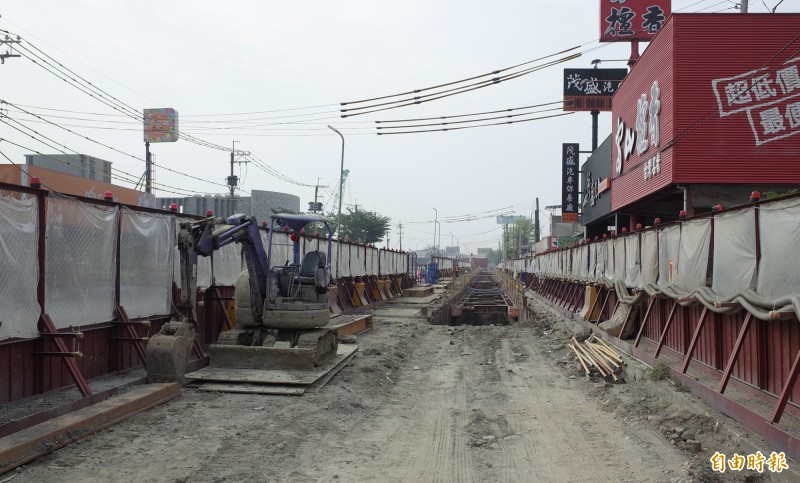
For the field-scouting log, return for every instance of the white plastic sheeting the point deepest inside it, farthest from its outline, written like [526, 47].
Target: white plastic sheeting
[372, 261]
[734, 252]
[334, 261]
[632, 268]
[779, 228]
[344, 260]
[592, 274]
[619, 257]
[19, 267]
[281, 249]
[669, 241]
[692, 267]
[601, 260]
[228, 264]
[649, 258]
[357, 261]
[384, 262]
[80, 262]
[147, 251]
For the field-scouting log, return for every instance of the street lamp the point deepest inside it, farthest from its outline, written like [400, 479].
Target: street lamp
[341, 175]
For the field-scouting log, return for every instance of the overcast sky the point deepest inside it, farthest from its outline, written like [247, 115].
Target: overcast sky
[235, 69]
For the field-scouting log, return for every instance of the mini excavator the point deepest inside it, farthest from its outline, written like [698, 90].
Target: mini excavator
[280, 310]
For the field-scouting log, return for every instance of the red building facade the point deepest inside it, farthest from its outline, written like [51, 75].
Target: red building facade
[709, 112]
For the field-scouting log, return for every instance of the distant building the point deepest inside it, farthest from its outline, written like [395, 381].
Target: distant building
[261, 205]
[452, 252]
[483, 252]
[81, 165]
[76, 175]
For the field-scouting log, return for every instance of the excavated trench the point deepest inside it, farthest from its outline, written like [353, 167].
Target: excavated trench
[481, 302]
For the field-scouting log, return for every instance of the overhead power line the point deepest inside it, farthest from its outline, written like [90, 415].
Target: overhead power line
[451, 92]
[468, 79]
[473, 114]
[457, 128]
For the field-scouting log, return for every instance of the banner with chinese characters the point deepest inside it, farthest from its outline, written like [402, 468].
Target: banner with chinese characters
[569, 182]
[769, 97]
[591, 89]
[622, 20]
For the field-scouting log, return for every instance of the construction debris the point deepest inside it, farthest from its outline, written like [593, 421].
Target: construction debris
[597, 358]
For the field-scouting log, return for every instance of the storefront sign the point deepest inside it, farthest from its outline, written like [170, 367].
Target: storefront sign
[160, 125]
[769, 96]
[569, 180]
[648, 125]
[622, 20]
[591, 89]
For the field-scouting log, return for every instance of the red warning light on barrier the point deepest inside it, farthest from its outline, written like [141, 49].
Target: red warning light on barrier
[108, 196]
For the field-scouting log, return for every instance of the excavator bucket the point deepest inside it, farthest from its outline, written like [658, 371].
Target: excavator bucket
[168, 353]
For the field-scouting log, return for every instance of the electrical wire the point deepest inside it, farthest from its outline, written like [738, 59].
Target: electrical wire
[124, 176]
[117, 150]
[451, 92]
[473, 114]
[468, 79]
[508, 116]
[518, 121]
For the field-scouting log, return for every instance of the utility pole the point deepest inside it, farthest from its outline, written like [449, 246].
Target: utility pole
[148, 176]
[315, 206]
[8, 53]
[233, 180]
[400, 234]
[744, 6]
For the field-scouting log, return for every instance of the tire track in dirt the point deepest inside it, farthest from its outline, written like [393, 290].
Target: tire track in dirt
[586, 444]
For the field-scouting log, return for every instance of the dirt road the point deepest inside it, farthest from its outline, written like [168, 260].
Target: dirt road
[418, 403]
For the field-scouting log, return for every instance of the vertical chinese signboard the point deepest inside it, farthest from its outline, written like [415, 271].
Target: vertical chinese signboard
[591, 89]
[623, 20]
[569, 182]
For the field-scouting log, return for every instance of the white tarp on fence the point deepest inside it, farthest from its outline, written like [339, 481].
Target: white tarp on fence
[19, 267]
[357, 261]
[779, 228]
[692, 269]
[649, 258]
[734, 252]
[372, 261]
[669, 242]
[80, 262]
[619, 257]
[147, 249]
[632, 269]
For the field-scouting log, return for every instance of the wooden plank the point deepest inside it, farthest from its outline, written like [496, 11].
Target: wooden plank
[273, 376]
[272, 389]
[278, 389]
[350, 324]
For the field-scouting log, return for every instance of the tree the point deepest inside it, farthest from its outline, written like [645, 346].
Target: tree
[364, 226]
[520, 235]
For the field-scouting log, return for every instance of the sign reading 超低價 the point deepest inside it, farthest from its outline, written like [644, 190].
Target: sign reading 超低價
[770, 97]
[160, 125]
[591, 89]
[622, 20]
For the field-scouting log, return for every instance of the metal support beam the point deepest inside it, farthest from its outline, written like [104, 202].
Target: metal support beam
[786, 392]
[690, 351]
[666, 329]
[47, 324]
[726, 375]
